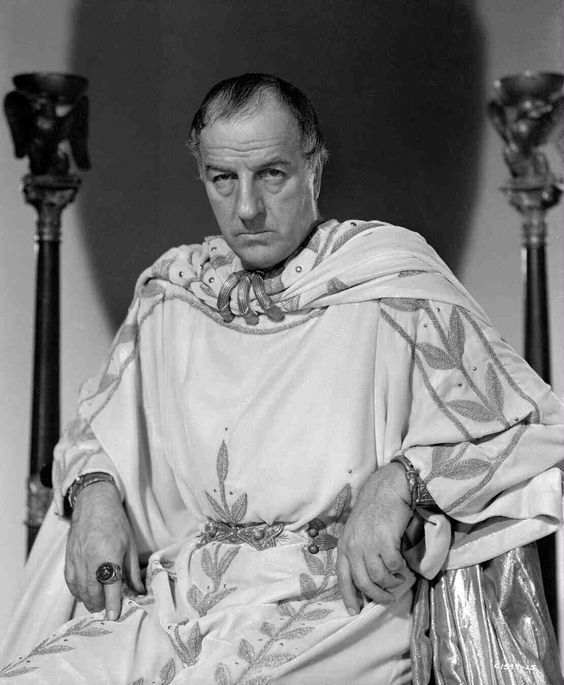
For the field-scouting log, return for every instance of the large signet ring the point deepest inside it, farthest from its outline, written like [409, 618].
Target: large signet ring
[108, 573]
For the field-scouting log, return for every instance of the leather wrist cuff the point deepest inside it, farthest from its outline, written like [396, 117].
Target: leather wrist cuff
[81, 482]
[420, 496]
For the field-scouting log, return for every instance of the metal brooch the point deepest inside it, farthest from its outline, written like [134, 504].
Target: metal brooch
[258, 535]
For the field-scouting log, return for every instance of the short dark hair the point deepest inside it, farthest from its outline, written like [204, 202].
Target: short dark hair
[239, 95]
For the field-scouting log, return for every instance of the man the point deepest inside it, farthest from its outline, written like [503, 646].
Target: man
[294, 418]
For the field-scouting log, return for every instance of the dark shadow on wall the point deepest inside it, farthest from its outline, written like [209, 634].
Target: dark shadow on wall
[398, 85]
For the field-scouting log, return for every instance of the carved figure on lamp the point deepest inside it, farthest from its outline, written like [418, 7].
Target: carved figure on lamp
[527, 111]
[45, 113]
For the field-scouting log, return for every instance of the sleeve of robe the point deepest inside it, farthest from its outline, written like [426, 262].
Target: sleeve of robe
[484, 431]
[111, 409]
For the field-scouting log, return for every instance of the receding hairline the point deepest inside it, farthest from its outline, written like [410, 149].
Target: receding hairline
[256, 105]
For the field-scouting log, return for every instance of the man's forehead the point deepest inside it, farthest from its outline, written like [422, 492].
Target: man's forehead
[269, 125]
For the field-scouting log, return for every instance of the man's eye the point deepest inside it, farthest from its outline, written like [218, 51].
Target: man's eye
[219, 178]
[274, 175]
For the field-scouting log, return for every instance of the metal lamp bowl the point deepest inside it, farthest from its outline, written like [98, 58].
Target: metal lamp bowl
[65, 88]
[529, 85]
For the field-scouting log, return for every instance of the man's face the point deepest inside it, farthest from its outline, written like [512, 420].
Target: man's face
[261, 190]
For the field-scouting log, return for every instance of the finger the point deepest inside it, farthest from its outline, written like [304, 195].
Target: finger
[70, 579]
[92, 595]
[131, 565]
[393, 560]
[367, 587]
[346, 585]
[112, 600]
[379, 575]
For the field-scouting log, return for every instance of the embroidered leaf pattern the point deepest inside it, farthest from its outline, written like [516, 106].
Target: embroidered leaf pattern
[168, 671]
[226, 560]
[494, 388]
[222, 675]
[472, 410]
[334, 285]
[410, 272]
[93, 631]
[215, 598]
[221, 260]
[469, 468]
[403, 304]
[223, 511]
[445, 461]
[207, 564]
[194, 642]
[285, 609]
[216, 507]
[84, 627]
[267, 628]
[343, 502]
[329, 594]
[222, 462]
[274, 660]
[456, 336]
[54, 649]
[257, 680]
[245, 650]
[347, 235]
[316, 614]
[188, 650]
[239, 509]
[296, 632]
[314, 564]
[440, 455]
[17, 671]
[313, 243]
[195, 597]
[307, 586]
[214, 567]
[436, 357]
[292, 304]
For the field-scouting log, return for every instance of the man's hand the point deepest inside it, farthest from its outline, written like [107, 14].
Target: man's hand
[100, 532]
[369, 557]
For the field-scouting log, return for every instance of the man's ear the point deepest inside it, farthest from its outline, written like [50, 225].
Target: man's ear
[317, 173]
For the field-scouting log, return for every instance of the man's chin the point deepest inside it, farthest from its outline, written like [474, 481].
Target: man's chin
[259, 256]
[258, 264]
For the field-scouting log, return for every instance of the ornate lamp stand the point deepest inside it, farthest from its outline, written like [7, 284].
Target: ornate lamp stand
[526, 110]
[47, 113]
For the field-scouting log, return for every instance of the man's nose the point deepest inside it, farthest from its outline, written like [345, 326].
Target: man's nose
[249, 201]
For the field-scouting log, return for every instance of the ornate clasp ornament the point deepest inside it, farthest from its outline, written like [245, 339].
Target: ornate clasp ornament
[244, 281]
[258, 535]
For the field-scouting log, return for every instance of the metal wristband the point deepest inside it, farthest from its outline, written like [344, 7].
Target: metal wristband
[84, 481]
[420, 496]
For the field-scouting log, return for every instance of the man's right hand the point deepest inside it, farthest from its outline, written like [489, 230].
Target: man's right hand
[100, 532]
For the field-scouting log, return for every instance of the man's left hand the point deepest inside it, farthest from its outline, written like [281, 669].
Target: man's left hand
[369, 551]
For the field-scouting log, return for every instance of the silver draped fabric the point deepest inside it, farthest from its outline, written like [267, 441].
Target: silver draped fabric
[487, 623]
